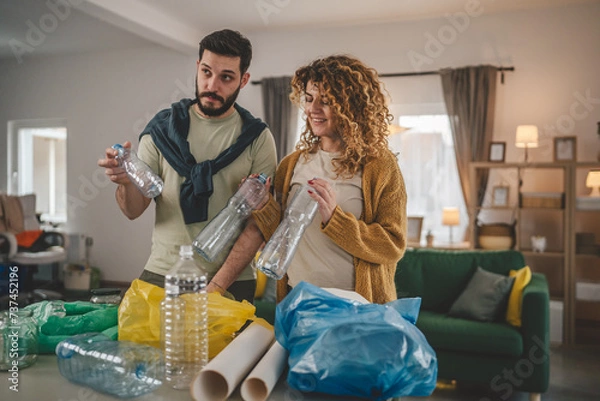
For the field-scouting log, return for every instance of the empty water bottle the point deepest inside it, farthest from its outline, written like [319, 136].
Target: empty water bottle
[184, 316]
[147, 181]
[106, 296]
[275, 258]
[121, 368]
[227, 225]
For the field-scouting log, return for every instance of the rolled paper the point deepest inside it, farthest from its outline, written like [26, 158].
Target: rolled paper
[261, 381]
[217, 380]
[351, 295]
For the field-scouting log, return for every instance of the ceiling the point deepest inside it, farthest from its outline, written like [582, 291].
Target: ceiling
[31, 28]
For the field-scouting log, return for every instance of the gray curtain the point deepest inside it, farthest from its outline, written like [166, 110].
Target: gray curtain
[280, 113]
[470, 97]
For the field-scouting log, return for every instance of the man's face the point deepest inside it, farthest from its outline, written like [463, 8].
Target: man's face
[218, 83]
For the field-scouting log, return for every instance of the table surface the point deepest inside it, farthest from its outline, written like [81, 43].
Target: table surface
[42, 381]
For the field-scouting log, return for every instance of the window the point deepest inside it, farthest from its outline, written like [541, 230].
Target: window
[37, 163]
[426, 158]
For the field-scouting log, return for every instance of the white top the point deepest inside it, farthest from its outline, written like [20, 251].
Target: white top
[318, 259]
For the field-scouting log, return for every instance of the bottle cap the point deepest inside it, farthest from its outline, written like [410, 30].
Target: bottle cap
[119, 148]
[185, 250]
[262, 177]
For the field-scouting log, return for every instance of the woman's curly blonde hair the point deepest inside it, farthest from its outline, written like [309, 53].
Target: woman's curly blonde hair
[355, 96]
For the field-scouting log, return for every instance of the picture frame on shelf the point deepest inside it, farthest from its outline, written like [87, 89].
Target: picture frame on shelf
[497, 151]
[565, 148]
[500, 196]
[414, 227]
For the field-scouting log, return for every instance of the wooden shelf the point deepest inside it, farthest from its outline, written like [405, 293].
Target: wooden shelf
[562, 267]
[553, 209]
[587, 256]
[545, 254]
[588, 310]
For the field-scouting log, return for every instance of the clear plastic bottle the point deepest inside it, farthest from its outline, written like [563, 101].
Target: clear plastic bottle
[106, 296]
[147, 181]
[275, 258]
[227, 225]
[184, 316]
[121, 368]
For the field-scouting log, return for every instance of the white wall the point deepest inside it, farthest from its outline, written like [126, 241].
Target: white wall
[106, 98]
[555, 54]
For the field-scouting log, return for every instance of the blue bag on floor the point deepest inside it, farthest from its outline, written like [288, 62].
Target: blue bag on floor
[342, 347]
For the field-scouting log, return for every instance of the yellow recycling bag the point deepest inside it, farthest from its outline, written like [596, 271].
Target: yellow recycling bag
[139, 317]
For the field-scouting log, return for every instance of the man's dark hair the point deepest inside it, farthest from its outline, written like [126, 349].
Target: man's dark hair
[228, 43]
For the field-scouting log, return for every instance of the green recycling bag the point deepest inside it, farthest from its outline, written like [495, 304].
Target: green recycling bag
[58, 320]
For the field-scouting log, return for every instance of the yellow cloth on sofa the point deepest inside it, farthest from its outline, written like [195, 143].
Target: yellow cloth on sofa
[515, 299]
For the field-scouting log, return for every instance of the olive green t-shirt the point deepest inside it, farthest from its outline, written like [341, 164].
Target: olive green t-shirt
[207, 139]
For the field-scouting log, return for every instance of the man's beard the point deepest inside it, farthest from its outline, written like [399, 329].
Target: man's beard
[212, 111]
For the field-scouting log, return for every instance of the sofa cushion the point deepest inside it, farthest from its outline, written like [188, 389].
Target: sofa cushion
[484, 297]
[456, 334]
[439, 276]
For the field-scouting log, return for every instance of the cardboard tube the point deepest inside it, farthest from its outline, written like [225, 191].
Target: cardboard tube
[261, 381]
[217, 380]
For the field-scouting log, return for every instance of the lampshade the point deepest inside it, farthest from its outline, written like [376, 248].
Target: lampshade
[450, 216]
[593, 181]
[394, 129]
[527, 136]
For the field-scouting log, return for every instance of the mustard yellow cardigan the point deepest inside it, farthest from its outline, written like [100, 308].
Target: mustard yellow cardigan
[377, 240]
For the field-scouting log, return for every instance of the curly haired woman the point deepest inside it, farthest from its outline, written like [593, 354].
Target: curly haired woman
[361, 233]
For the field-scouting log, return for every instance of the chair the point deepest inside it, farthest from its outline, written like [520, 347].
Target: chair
[19, 224]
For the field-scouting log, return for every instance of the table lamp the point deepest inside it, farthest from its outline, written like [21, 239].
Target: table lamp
[450, 217]
[394, 129]
[527, 137]
[593, 181]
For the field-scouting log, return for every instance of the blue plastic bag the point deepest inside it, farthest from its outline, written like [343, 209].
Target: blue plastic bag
[342, 347]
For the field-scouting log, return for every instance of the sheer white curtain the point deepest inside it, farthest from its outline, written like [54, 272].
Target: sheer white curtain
[426, 153]
[426, 158]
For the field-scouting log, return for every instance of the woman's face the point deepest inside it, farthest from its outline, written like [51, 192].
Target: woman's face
[319, 113]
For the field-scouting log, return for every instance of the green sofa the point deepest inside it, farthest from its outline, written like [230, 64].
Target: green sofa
[501, 357]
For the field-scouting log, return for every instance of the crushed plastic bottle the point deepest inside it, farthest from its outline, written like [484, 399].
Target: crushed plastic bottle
[275, 258]
[227, 225]
[121, 368]
[146, 180]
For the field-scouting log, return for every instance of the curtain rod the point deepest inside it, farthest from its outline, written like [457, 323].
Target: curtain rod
[411, 74]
